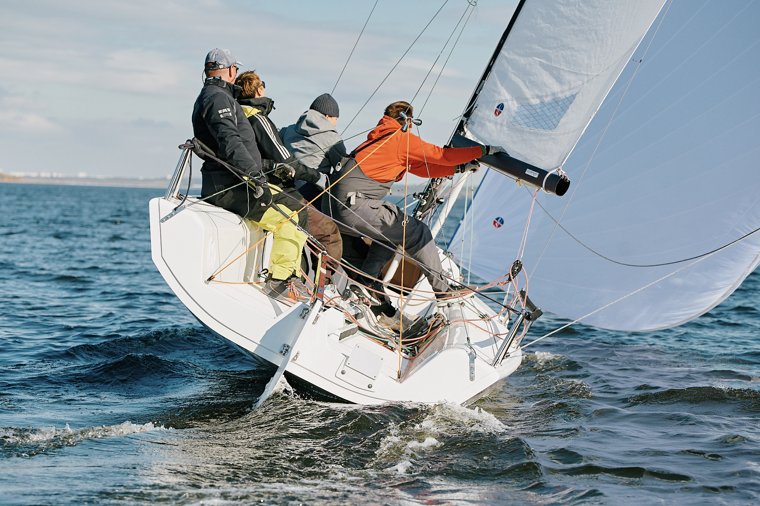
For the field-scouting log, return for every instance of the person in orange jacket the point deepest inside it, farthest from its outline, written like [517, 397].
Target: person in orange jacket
[356, 201]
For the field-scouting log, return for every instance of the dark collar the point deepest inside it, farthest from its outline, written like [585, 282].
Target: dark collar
[264, 104]
[232, 89]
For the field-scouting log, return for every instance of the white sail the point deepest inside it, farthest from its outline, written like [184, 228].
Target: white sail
[666, 172]
[560, 59]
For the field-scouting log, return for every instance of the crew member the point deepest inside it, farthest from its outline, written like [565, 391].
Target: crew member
[284, 170]
[220, 124]
[357, 202]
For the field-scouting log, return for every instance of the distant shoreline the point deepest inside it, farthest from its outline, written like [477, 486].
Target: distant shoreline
[88, 181]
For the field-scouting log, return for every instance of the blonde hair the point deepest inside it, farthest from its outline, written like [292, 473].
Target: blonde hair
[250, 82]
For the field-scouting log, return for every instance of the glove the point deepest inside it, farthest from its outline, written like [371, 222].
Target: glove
[472, 166]
[492, 150]
[284, 172]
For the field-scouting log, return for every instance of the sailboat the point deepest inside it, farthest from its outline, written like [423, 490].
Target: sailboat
[628, 206]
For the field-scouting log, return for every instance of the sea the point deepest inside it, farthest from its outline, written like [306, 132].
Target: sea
[111, 392]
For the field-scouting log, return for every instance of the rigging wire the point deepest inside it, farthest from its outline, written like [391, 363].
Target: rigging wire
[354, 48]
[456, 43]
[468, 202]
[619, 299]
[394, 66]
[432, 66]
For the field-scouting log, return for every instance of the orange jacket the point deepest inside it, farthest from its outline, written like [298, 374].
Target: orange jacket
[387, 159]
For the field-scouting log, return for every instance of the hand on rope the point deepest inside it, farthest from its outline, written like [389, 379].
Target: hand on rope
[284, 172]
[472, 166]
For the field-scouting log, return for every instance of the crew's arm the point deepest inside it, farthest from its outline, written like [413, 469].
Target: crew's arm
[336, 152]
[268, 139]
[429, 160]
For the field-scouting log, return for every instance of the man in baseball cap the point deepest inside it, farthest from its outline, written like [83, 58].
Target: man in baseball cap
[217, 59]
[220, 124]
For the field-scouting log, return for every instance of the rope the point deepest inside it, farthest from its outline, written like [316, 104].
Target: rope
[471, 3]
[403, 260]
[394, 67]
[430, 70]
[353, 48]
[661, 264]
[638, 290]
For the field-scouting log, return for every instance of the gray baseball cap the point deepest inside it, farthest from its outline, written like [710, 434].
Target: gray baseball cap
[220, 59]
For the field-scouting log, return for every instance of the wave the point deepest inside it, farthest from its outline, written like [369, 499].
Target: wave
[622, 472]
[25, 442]
[730, 374]
[749, 357]
[745, 397]
[544, 361]
[441, 424]
[174, 341]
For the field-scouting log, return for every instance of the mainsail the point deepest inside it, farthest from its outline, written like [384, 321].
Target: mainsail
[658, 226]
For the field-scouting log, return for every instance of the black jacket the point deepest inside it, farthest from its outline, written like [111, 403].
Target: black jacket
[219, 123]
[270, 144]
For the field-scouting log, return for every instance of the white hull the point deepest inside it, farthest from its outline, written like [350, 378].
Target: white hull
[197, 241]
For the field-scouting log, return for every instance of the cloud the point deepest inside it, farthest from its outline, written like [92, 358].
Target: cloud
[139, 71]
[26, 121]
[21, 114]
[108, 86]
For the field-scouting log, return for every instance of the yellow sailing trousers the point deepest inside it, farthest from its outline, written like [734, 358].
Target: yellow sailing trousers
[287, 242]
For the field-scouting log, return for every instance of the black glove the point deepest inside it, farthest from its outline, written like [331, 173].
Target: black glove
[284, 172]
[472, 166]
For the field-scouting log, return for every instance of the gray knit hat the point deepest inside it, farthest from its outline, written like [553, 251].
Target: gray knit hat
[326, 105]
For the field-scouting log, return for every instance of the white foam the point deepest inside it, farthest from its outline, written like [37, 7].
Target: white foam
[402, 467]
[543, 357]
[448, 417]
[46, 436]
[429, 442]
[440, 421]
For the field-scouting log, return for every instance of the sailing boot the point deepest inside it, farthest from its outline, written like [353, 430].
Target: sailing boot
[286, 290]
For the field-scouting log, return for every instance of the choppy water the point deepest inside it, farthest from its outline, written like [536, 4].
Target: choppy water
[111, 392]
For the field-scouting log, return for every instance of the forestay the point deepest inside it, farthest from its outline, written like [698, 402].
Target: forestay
[666, 172]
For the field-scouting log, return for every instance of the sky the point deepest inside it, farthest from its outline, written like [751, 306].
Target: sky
[106, 88]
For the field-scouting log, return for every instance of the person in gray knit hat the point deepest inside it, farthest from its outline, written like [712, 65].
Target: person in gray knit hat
[314, 139]
[327, 105]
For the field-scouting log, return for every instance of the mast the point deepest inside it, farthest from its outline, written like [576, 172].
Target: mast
[459, 130]
[501, 162]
